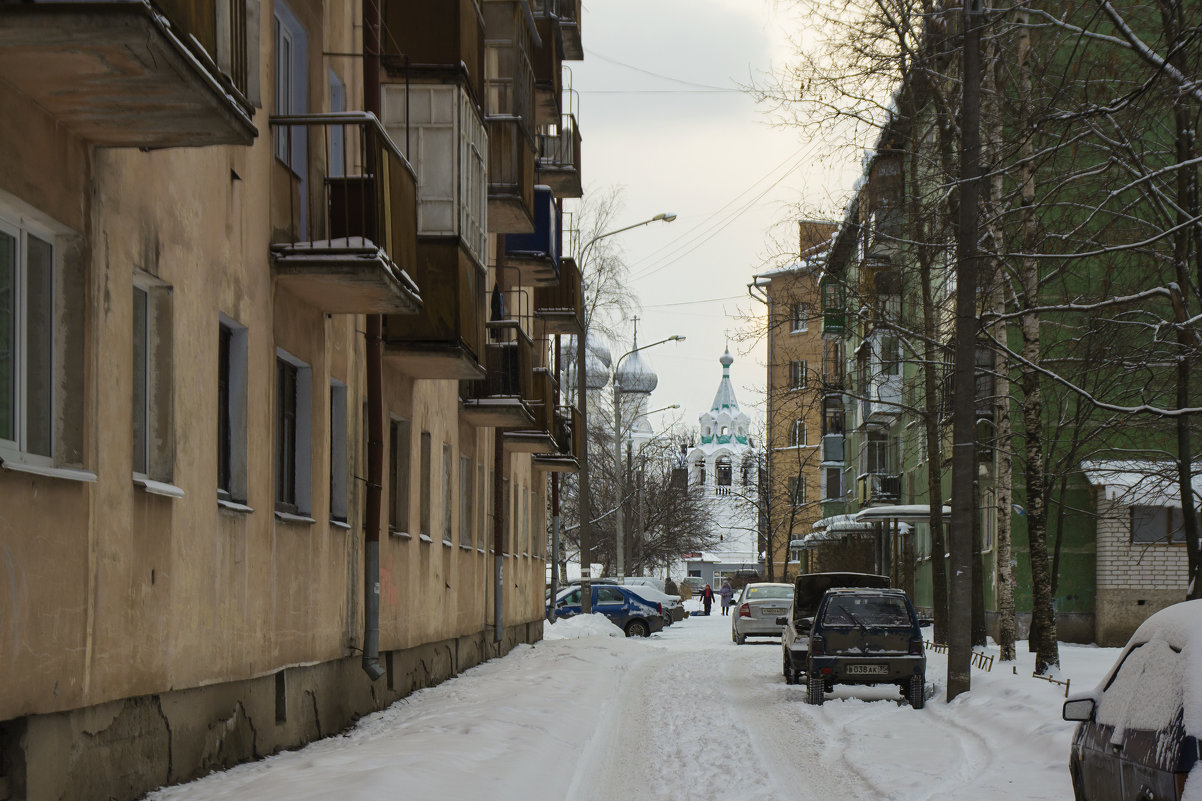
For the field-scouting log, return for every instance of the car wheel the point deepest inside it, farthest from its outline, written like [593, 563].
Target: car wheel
[740, 639]
[638, 628]
[816, 691]
[790, 676]
[918, 689]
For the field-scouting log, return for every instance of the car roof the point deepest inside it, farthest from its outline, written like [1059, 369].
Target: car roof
[865, 591]
[769, 584]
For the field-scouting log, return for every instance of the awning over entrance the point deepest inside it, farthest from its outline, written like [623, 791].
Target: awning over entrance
[910, 513]
[1134, 482]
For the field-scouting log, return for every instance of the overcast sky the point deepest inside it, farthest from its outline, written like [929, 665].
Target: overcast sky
[656, 123]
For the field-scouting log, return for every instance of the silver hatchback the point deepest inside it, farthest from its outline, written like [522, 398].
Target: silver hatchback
[757, 609]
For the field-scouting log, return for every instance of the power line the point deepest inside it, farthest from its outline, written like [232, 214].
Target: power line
[661, 76]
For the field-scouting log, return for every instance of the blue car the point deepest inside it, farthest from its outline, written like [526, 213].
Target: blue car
[623, 606]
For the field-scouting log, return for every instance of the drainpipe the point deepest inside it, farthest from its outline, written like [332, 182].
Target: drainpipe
[498, 487]
[375, 391]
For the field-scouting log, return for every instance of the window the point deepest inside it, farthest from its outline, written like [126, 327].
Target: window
[337, 132]
[398, 475]
[465, 501]
[834, 483]
[426, 476]
[722, 471]
[1157, 524]
[798, 436]
[338, 452]
[797, 374]
[231, 411]
[800, 317]
[700, 471]
[41, 344]
[293, 434]
[749, 476]
[890, 355]
[482, 494]
[448, 490]
[797, 490]
[291, 85]
[153, 441]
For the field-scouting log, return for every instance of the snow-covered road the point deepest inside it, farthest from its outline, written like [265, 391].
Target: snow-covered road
[684, 715]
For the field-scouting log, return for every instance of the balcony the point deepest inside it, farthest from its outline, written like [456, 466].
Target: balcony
[344, 215]
[879, 277]
[832, 448]
[124, 74]
[569, 443]
[501, 398]
[561, 307]
[446, 338]
[540, 437]
[879, 488]
[535, 256]
[510, 177]
[442, 40]
[548, 72]
[559, 157]
[569, 24]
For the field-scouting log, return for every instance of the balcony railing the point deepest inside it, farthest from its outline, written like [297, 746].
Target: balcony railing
[561, 307]
[832, 447]
[510, 177]
[880, 488]
[559, 157]
[539, 438]
[548, 72]
[443, 38]
[344, 215]
[446, 338]
[501, 398]
[536, 255]
[508, 69]
[569, 442]
[125, 74]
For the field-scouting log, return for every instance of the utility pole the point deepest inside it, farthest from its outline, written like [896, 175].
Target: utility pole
[964, 461]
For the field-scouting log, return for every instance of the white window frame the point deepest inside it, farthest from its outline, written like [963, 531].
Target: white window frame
[466, 501]
[799, 321]
[798, 378]
[152, 374]
[798, 437]
[448, 494]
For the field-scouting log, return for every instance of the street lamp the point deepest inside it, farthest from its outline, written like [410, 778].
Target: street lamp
[584, 500]
[620, 521]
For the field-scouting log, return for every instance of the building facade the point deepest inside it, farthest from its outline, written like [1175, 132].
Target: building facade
[804, 479]
[198, 222]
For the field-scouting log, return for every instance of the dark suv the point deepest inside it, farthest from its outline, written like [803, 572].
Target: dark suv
[808, 589]
[866, 636]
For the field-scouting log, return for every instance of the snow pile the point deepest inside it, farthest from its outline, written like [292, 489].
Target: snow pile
[570, 628]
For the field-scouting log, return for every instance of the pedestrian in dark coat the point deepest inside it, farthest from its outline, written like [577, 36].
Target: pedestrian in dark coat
[707, 598]
[728, 596]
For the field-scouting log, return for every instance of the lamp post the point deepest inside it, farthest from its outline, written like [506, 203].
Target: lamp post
[584, 499]
[620, 521]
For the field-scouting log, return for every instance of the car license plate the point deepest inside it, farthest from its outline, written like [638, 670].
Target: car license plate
[867, 670]
[766, 612]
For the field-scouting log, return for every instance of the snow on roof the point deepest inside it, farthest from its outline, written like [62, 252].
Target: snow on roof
[1136, 482]
[840, 523]
[914, 512]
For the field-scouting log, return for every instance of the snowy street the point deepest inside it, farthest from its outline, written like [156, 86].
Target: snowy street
[684, 715]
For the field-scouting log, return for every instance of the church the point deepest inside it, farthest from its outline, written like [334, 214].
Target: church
[726, 465]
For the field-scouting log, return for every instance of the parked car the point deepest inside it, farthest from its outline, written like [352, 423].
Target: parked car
[628, 611]
[759, 610]
[1138, 730]
[808, 590]
[866, 636]
[673, 611]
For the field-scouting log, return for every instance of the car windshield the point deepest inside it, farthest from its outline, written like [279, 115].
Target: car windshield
[1145, 693]
[768, 593]
[866, 610]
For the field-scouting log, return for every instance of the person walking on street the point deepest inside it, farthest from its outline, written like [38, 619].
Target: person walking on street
[707, 598]
[728, 595]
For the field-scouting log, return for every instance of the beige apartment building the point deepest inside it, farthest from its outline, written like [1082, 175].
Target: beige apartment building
[800, 372]
[200, 225]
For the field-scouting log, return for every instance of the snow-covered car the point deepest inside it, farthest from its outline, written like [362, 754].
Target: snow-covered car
[633, 614]
[759, 609]
[808, 590]
[1138, 730]
[866, 636]
[673, 611]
